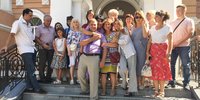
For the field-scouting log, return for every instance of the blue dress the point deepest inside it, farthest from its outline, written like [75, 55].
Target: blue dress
[140, 44]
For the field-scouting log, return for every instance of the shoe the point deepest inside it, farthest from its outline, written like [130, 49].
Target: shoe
[40, 91]
[129, 94]
[77, 81]
[141, 87]
[170, 85]
[186, 86]
[112, 93]
[155, 94]
[126, 88]
[57, 82]
[84, 93]
[71, 82]
[103, 93]
[28, 90]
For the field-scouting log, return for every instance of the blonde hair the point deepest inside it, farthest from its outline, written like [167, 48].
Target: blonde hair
[72, 24]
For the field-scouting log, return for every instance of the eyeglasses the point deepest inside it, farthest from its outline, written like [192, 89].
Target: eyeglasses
[138, 17]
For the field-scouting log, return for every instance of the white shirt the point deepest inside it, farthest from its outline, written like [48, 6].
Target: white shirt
[160, 35]
[23, 36]
[126, 44]
[60, 44]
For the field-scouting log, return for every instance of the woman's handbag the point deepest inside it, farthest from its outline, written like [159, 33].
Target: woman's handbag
[146, 71]
[114, 57]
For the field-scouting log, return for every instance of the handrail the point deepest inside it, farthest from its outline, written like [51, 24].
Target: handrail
[11, 68]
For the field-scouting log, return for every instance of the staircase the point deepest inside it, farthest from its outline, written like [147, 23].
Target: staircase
[71, 92]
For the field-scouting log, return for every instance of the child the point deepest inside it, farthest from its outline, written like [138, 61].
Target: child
[73, 40]
[59, 58]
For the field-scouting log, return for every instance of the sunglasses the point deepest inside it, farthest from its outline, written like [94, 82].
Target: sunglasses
[138, 17]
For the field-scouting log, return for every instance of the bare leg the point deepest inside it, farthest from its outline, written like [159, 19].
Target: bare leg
[103, 83]
[113, 80]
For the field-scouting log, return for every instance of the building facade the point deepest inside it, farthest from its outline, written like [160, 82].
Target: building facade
[60, 9]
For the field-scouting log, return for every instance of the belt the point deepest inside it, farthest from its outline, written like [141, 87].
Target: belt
[91, 54]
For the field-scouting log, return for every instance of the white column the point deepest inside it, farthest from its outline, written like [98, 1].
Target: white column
[59, 10]
[79, 9]
[166, 5]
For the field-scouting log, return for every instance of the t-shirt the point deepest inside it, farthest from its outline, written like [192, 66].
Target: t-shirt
[160, 35]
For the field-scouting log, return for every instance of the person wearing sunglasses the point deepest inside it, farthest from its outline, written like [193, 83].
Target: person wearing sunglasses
[139, 36]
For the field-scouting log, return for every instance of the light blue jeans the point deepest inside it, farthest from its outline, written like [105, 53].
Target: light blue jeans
[184, 54]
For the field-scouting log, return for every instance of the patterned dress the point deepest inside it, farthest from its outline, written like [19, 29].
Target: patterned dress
[109, 68]
[56, 62]
[159, 63]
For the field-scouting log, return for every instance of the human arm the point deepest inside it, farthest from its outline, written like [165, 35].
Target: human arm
[145, 32]
[103, 59]
[170, 45]
[148, 48]
[89, 40]
[124, 39]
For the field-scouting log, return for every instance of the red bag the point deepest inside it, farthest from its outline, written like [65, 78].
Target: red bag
[114, 57]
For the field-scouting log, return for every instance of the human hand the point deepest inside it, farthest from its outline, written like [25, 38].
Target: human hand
[46, 46]
[102, 64]
[4, 49]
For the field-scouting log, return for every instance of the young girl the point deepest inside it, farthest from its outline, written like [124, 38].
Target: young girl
[59, 58]
[72, 45]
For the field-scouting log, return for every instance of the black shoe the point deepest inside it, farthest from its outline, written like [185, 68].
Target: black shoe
[28, 90]
[186, 86]
[40, 91]
[130, 94]
[84, 93]
[126, 88]
[170, 85]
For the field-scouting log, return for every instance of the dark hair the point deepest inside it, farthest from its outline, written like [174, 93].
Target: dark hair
[26, 11]
[60, 29]
[57, 24]
[163, 14]
[128, 15]
[88, 12]
[70, 17]
[99, 17]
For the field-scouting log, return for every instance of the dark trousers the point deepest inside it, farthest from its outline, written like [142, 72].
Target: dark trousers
[29, 63]
[45, 57]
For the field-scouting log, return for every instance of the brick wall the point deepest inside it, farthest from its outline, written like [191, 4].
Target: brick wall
[32, 4]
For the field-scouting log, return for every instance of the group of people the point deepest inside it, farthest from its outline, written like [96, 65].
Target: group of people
[139, 42]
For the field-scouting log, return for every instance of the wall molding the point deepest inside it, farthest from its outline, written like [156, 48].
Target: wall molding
[5, 27]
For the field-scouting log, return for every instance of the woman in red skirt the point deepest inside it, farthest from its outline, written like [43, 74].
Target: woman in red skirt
[160, 47]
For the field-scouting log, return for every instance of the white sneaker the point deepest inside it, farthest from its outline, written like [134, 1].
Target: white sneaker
[78, 81]
[71, 82]
[57, 82]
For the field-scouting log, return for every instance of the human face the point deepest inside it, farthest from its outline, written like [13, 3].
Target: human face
[75, 24]
[99, 23]
[158, 18]
[138, 18]
[107, 26]
[117, 25]
[93, 26]
[28, 16]
[129, 20]
[60, 33]
[180, 12]
[149, 16]
[90, 15]
[47, 21]
[58, 26]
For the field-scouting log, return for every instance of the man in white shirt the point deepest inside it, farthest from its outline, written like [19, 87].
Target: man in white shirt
[22, 32]
[181, 43]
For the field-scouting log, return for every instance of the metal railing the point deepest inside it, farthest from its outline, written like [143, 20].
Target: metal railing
[11, 68]
[195, 61]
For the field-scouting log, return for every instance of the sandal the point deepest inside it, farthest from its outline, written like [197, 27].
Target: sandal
[161, 94]
[57, 82]
[155, 94]
[112, 93]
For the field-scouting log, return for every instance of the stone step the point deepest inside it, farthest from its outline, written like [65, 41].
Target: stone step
[72, 92]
